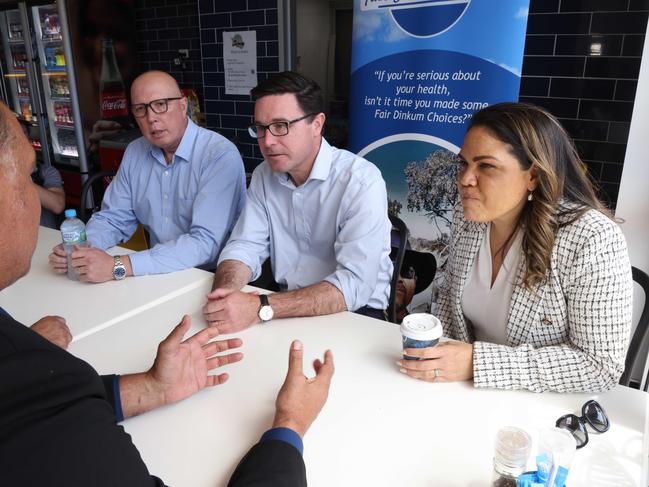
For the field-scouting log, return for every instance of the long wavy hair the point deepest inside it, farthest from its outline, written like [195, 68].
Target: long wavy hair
[564, 191]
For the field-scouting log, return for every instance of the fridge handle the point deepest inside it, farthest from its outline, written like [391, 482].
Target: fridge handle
[74, 96]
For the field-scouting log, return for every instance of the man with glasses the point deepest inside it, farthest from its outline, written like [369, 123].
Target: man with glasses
[319, 213]
[183, 183]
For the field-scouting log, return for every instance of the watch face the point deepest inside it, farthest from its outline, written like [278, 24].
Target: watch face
[266, 313]
[119, 273]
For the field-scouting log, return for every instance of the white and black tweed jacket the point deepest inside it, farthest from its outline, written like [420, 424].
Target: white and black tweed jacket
[572, 335]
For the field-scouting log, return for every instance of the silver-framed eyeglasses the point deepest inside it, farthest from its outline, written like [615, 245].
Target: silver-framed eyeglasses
[278, 129]
[157, 106]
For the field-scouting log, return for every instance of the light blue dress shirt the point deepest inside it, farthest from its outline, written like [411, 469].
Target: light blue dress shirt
[188, 207]
[333, 228]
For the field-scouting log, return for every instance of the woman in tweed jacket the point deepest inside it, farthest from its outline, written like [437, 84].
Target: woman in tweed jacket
[561, 317]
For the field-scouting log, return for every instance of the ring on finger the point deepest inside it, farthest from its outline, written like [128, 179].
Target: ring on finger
[436, 372]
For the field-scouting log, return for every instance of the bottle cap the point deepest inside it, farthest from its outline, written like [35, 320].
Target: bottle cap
[421, 326]
[512, 447]
[70, 213]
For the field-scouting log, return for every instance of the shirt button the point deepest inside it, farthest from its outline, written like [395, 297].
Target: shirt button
[165, 196]
[166, 173]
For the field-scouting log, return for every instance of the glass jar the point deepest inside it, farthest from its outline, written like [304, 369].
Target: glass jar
[510, 456]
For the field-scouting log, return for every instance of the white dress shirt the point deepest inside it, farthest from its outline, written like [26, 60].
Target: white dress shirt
[332, 228]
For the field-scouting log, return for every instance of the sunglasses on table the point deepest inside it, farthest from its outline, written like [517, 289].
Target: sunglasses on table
[593, 414]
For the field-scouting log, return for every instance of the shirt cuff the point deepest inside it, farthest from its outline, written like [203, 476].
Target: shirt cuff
[141, 263]
[284, 434]
[119, 414]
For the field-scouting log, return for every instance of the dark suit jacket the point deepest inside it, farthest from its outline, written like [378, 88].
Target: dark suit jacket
[58, 427]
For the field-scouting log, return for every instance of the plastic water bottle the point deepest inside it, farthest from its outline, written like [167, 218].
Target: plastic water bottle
[73, 232]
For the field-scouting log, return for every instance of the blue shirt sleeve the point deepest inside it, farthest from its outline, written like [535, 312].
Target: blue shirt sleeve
[250, 239]
[361, 245]
[116, 221]
[119, 414]
[284, 434]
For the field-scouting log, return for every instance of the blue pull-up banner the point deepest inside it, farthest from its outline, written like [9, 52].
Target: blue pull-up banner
[420, 69]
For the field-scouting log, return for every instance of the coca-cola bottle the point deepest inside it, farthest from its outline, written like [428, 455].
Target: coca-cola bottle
[111, 87]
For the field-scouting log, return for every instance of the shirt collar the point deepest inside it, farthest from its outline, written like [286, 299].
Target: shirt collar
[184, 150]
[322, 164]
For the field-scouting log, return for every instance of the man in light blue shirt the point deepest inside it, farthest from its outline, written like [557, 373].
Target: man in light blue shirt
[183, 183]
[318, 212]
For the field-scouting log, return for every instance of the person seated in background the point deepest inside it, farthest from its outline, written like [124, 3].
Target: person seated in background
[319, 212]
[417, 273]
[183, 183]
[49, 186]
[538, 287]
[59, 419]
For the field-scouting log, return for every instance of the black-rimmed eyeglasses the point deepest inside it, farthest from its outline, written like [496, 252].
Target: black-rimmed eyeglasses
[278, 129]
[592, 413]
[157, 106]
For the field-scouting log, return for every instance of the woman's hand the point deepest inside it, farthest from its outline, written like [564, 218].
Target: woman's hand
[447, 362]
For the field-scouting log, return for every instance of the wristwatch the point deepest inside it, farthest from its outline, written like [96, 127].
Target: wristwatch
[119, 269]
[265, 311]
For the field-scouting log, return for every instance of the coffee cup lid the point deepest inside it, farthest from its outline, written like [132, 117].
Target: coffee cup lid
[421, 326]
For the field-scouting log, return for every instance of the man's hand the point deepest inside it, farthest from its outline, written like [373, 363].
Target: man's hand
[300, 399]
[447, 362]
[54, 329]
[92, 265]
[181, 367]
[59, 260]
[231, 311]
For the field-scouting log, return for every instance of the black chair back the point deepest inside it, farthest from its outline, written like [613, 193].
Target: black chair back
[400, 227]
[641, 333]
[83, 211]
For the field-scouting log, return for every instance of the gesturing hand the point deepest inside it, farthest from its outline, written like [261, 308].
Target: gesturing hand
[301, 399]
[181, 367]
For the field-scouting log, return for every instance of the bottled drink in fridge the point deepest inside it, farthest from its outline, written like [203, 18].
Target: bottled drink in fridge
[111, 89]
[73, 232]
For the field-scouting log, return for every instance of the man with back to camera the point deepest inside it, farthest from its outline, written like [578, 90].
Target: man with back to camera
[58, 418]
[319, 212]
[185, 184]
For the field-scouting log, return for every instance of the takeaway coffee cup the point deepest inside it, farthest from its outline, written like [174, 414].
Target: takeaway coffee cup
[420, 330]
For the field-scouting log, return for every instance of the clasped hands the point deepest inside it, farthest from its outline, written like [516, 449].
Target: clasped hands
[91, 264]
[231, 311]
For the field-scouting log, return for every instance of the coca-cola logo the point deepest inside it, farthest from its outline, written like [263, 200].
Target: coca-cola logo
[113, 105]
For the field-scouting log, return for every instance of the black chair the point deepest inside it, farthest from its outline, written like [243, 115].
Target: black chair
[641, 333]
[266, 280]
[402, 230]
[83, 210]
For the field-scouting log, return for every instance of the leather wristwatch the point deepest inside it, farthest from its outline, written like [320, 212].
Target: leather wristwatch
[265, 311]
[119, 269]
